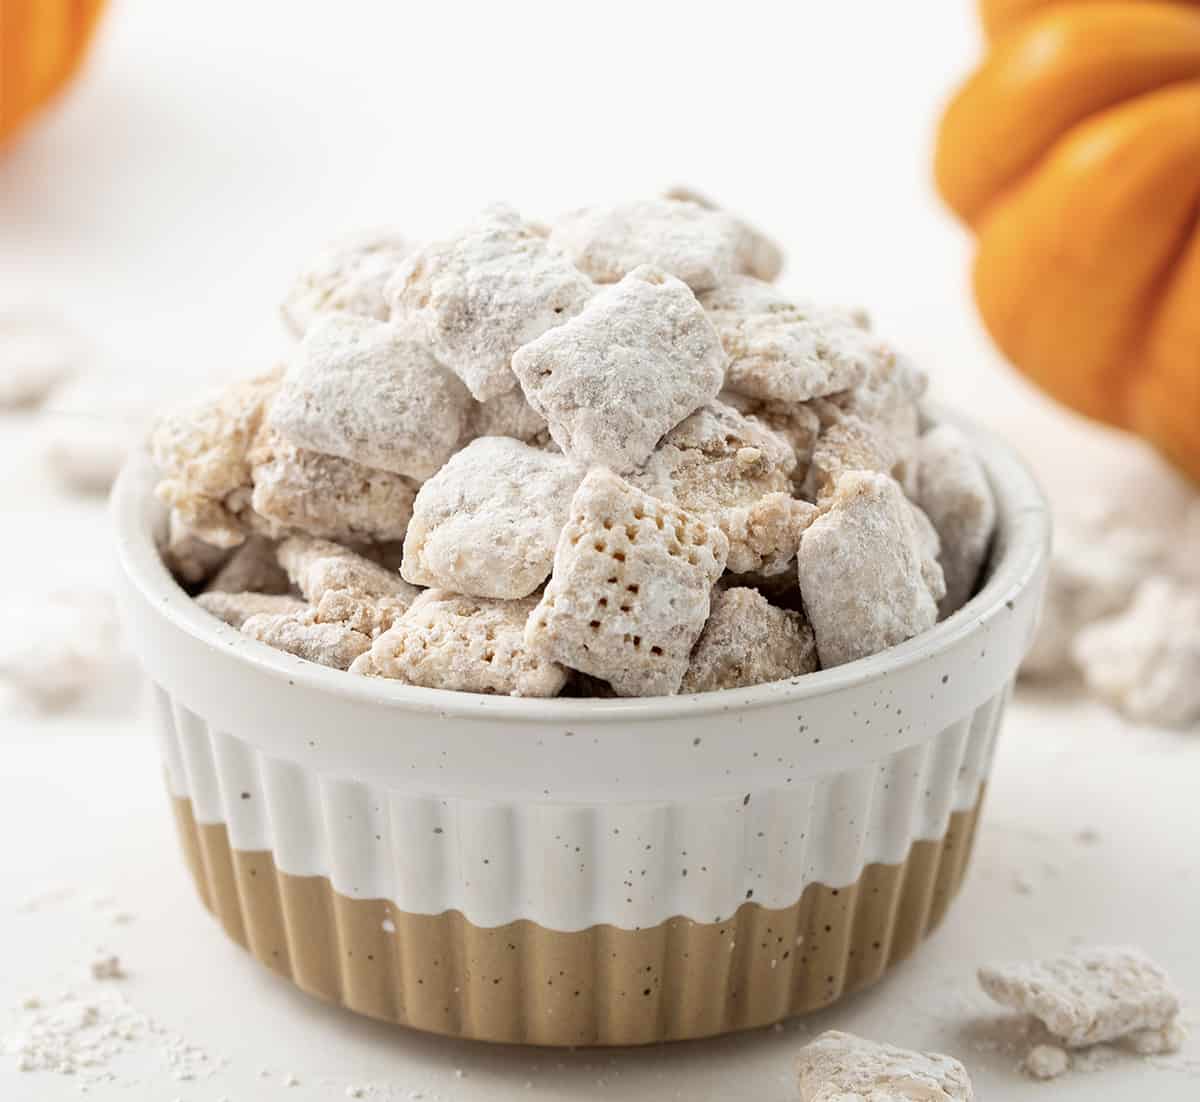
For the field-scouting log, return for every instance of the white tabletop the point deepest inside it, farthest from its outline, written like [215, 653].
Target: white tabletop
[164, 206]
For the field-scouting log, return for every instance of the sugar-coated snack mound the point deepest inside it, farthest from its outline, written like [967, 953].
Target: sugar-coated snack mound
[608, 458]
[840, 1067]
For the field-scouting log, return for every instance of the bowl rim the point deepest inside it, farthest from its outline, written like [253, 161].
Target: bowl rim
[1020, 550]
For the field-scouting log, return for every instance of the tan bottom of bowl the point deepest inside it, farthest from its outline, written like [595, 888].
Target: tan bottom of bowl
[522, 983]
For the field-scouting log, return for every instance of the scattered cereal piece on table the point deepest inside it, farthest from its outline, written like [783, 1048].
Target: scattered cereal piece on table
[236, 608]
[630, 590]
[371, 393]
[252, 568]
[472, 644]
[1046, 1062]
[839, 1067]
[1088, 996]
[785, 350]
[736, 473]
[38, 352]
[757, 254]
[701, 247]
[953, 491]
[202, 453]
[347, 277]
[868, 572]
[298, 633]
[630, 367]
[1146, 659]
[487, 523]
[1157, 1042]
[107, 967]
[748, 641]
[345, 587]
[480, 296]
[297, 490]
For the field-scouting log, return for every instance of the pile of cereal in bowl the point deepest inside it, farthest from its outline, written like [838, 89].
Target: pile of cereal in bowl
[607, 457]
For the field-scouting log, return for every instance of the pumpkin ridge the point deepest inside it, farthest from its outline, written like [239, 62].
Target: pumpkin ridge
[1053, 73]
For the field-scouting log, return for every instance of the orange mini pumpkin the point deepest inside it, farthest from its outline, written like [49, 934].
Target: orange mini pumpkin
[1073, 152]
[42, 43]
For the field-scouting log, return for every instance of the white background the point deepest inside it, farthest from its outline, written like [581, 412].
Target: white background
[165, 204]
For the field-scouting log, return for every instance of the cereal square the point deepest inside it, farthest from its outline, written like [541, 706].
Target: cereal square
[236, 608]
[953, 491]
[631, 586]
[481, 295]
[299, 633]
[757, 254]
[782, 349]
[475, 645]
[297, 490]
[839, 1067]
[734, 472]
[629, 368]
[365, 391]
[748, 641]
[487, 523]
[1088, 996]
[699, 246]
[868, 569]
[348, 277]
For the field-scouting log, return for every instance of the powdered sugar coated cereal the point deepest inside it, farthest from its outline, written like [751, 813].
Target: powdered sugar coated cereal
[471, 644]
[867, 571]
[786, 350]
[630, 367]
[236, 608]
[300, 634]
[297, 490]
[348, 276]
[839, 1067]
[487, 523]
[368, 392]
[630, 590]
[699, 246]
[954, 493]
[481, 295]
[757, 253]
[736, 473]
[1088, 996]
[748, 641]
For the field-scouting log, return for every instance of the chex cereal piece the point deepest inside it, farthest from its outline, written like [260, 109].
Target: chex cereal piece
[797, 422]
[348, 277]
[38, 352]
[187, 556]
[787, 350]
[701, 247]
[487, 523]
[868, 571]
[954, 493]
[472, 644]
[758, 255]
[630, 591]
[839, 1067]
[479, 296]
[252, 568]
[300, 634]
[1146, 659]
[630, 367]
[748, 641]
[369, 392]
[736, 473]
[236, 608]
[1087, 996]
[202, 452]
[510, 414]
[296, 490]
[345, 587]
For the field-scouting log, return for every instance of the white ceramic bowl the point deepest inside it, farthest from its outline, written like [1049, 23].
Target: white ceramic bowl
[580, 871]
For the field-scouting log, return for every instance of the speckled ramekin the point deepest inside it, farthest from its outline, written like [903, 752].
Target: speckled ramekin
[578, 872]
